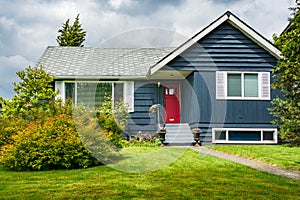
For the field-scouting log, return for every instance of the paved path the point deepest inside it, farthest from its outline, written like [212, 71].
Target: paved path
[251, 163]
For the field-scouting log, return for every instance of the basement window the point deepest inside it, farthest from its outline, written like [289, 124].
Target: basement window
[244, 135]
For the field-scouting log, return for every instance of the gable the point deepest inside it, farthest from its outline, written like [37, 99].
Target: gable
[235, 24]
[225, 47]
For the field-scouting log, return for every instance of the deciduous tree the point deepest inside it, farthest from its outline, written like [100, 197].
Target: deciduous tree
[33, 92]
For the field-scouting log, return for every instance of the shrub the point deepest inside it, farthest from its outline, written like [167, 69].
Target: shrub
[9, 127]
[96, 139]
[52, 143]
[113, 119]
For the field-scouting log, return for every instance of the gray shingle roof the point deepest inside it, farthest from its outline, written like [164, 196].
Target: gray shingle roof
[100, 62]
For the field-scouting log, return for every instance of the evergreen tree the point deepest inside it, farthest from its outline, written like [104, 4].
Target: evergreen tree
[287, 80]
[71, 35]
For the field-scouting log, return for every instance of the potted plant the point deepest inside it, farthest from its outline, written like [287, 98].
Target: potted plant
[197, 131]
[162, 135]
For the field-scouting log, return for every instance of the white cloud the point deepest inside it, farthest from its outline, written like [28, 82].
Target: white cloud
[8, 68]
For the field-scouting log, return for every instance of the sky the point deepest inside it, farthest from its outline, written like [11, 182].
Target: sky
[27, 27]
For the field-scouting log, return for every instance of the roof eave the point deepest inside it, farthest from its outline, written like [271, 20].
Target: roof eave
[100, 77]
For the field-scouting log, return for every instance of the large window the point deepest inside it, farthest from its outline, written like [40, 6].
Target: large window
[243, 85]
[244, 135]
[93, 93]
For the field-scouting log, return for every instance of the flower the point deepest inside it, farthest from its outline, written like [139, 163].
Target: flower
[196, 130]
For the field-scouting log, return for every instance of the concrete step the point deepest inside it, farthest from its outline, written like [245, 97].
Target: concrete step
[179, 134]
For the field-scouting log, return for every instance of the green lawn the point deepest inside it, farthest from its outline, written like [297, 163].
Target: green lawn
[191, 176]
[279, 155]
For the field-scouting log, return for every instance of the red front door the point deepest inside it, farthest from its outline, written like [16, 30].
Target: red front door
[172, 105]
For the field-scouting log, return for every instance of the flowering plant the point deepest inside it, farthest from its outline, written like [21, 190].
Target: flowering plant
[196, 130]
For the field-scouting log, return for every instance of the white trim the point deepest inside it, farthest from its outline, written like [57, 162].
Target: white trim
[260, 86]
[233, 20]
[227, 141]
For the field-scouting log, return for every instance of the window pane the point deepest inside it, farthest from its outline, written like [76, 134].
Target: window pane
[268, 135]
[118, 91]
[220, 135]
[251, 85]
[103, 90]
[86, 93]
[244, 135]
[92, 94]
[70, 91]
[234, 85]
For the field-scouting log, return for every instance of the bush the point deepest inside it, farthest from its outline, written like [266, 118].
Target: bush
[113, 119]
[96, 139]
[9, 127]
[52, 143]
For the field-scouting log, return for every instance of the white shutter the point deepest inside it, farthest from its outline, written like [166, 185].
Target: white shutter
[220, 85]
[265, 86]
[129, 95]
[59, 86]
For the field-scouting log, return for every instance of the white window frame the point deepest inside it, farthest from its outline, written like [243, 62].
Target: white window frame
[264, 90]
[227, 141]
[128, 91]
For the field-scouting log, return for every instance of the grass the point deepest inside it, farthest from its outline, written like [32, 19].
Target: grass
[279, 155]
[190, 176]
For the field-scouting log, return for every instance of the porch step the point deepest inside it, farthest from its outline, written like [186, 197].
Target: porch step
[179, 134]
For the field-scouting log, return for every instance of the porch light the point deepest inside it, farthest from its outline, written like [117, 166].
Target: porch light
[158, 84]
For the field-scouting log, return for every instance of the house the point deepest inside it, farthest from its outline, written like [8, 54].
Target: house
[218, 80]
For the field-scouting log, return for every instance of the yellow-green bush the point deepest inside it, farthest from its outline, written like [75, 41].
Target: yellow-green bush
[50, 143]
[9, 127]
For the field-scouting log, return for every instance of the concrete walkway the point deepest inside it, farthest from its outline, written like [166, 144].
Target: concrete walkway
[295, 175]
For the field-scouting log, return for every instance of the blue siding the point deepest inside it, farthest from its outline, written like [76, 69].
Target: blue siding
[236, 111]
[227, 49]
[141, 120]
